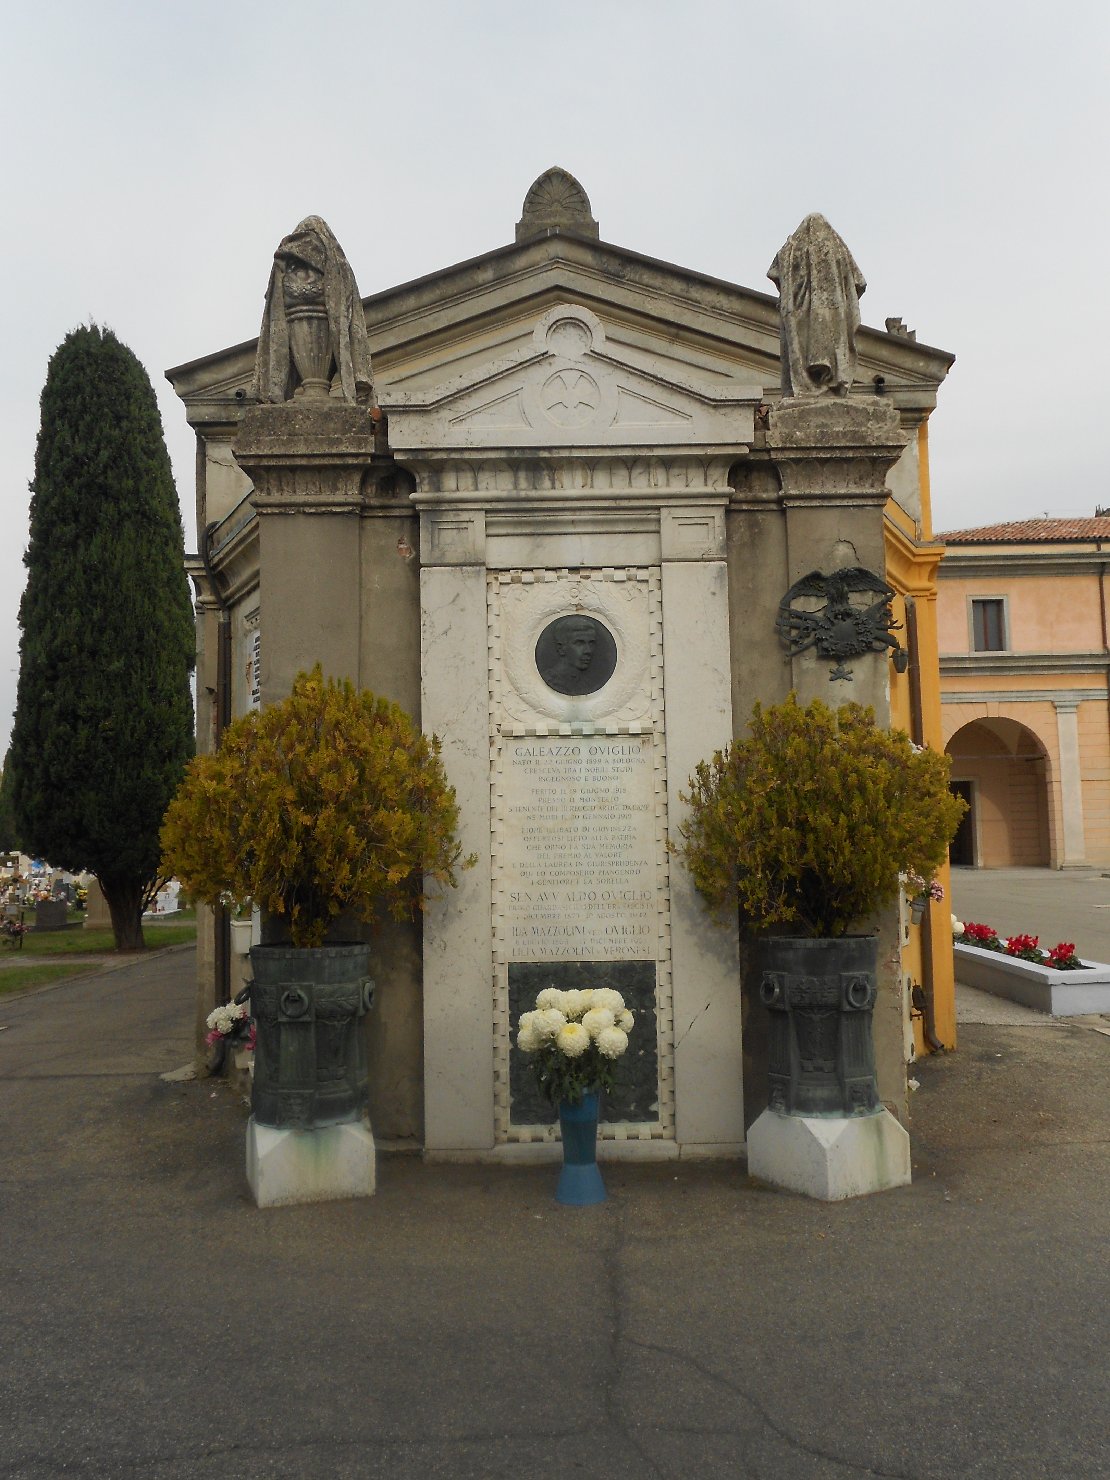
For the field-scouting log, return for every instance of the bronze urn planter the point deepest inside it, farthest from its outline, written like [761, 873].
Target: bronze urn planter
[820, 993]
[310, 1058]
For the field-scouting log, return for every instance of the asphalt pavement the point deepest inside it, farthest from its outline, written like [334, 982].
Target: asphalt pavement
[1054, 904]
[156, 1324]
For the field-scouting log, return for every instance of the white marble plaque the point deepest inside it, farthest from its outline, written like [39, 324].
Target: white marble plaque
[580, 858]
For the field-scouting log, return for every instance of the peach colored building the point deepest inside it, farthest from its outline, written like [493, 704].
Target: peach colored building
[1025, 694]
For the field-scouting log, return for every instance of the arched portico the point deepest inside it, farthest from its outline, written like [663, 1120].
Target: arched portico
[1003, 770]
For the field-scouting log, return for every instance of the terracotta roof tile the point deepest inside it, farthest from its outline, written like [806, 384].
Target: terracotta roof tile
[1030, 531]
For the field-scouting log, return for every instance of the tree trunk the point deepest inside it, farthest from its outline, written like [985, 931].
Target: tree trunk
[125, 904]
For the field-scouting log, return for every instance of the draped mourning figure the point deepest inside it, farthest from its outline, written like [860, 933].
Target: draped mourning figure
[313, 340]
[819, 291]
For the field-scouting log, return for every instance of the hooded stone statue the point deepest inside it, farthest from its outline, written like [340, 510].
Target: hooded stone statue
[819, 291]
[313, 327]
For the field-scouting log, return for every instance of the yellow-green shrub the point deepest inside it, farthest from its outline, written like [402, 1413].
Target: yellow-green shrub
[330, 801]
[809, 822]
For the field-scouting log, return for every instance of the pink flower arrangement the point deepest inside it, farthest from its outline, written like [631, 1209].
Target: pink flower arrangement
[916, 887]
[231, 1021]
[250, 1041]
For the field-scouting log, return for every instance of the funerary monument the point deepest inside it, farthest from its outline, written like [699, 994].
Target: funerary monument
[552, 501]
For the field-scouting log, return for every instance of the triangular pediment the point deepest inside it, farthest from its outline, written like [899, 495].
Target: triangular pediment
[568, 385]
[464, 330]
[635, 408]
[504, 411]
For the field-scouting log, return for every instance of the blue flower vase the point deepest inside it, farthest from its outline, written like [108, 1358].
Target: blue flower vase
[580, 1183]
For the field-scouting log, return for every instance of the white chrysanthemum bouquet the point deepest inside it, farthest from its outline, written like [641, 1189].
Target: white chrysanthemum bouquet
[576, 1037]
[230, 1022]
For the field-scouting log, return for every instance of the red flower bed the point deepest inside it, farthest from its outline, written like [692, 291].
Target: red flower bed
[1062, 957]
[983, 936]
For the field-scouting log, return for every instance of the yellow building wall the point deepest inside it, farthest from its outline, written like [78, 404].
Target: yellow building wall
[912, 565]
[1045, 614]
[1094, 762]
[1062, 613]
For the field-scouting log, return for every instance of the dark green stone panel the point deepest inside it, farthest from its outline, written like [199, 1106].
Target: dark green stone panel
[635, 1095]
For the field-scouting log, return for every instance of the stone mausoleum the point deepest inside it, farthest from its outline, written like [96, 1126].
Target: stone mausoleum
[571, 528]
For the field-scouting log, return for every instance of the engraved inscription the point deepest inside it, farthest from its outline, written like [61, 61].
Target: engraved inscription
[580, 853]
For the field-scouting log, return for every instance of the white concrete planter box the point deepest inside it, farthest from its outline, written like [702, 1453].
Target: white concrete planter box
[241, 937]
[1061, 993]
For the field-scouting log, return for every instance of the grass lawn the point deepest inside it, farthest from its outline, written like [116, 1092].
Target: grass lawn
[18, 978]
[175, 930]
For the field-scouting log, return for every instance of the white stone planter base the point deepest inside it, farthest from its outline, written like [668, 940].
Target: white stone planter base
[285, 1166]
[829, 1158]
[1061, 993]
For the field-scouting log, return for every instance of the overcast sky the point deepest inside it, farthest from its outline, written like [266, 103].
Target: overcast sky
[154, 155]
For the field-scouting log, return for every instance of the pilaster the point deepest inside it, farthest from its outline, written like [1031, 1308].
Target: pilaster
[1074, 851]
[310, 464]
[458, 950]
[833, 457]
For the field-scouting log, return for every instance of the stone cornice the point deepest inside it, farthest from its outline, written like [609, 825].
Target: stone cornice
[954, 664]
[229, 526]
[235, 562]
[1064, 697]
[912, 565]
[960, 561]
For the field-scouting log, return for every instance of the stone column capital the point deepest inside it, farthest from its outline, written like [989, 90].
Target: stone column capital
[310, 456]
[834, 451]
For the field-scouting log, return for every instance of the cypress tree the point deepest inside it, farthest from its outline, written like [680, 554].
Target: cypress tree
[103, 722]
[9, 833]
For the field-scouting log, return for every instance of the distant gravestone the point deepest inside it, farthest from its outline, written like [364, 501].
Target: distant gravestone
[97, 914]
[51, 914]
[165, 902]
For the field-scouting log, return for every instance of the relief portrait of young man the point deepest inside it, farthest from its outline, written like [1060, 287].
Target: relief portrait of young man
[576, 654]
